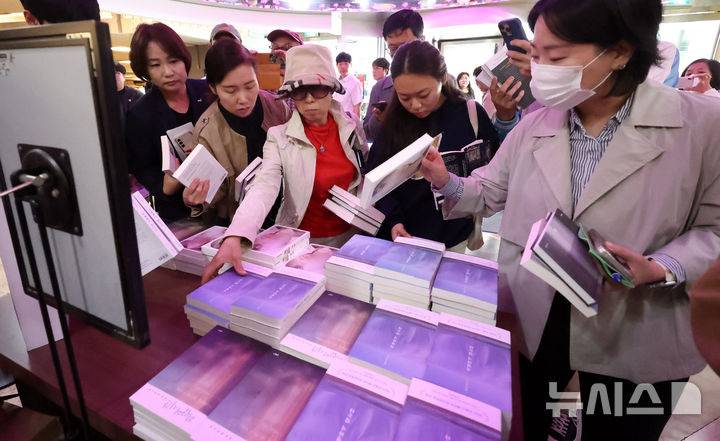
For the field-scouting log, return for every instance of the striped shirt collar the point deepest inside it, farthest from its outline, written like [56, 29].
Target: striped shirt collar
[576, 125]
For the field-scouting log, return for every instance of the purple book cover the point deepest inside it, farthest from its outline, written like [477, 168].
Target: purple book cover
[313, 259]
[467, 279]
[339, 411]
[418, 262]
[222, 291]
[275, 297]
[395, 343]
[334, 321]
[274, 240]
[471, 365]
[364, 249]
[421, 421]
[204, 374]
[197, 241]
[267, 402]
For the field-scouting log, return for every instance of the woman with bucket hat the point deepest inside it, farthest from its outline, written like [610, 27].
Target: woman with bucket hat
[319, 147]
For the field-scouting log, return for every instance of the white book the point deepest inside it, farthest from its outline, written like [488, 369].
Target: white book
[532, 263]
[439, 308]
[200, 164]
[245, 177]
[170, 162]
[354, 201]
[400, 287]
[351, 218]
[181, 138]
[487, 313]
[361, 212]
[420, 242]
[379, 296]
[395, 171]
[156, 243]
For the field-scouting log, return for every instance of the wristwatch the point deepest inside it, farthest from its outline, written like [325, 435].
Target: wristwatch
[670, 279]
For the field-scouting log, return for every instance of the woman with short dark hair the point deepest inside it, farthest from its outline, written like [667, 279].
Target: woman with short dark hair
[632, 159]
[708, 74]
[234, 128]
[159, 56]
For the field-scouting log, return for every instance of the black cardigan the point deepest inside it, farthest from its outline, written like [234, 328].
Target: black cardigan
[147, 121]
[412, 204]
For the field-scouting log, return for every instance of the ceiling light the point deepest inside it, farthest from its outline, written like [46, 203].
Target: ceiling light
[120, 49]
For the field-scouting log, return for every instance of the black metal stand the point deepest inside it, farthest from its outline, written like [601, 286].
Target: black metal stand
[71, 432]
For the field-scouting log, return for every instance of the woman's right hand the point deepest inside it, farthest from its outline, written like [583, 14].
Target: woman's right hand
[434, 170]
[230, 252]
[399, 231]
[196, 193]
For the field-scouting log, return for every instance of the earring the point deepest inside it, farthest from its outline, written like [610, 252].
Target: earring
[622, 67]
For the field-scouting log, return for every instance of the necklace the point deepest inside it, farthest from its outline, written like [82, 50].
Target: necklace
[314, 140]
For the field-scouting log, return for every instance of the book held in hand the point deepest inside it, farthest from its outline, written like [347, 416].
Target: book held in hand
[201, 164]
[243, 180]
[181, 138]
[170, 161]
[348, 207]
[474, 155]
[499, 66]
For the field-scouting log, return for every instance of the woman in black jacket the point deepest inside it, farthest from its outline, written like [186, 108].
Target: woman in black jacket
[159, 56]
[424, 102]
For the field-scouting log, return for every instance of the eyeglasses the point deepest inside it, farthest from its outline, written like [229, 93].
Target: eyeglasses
[318, 92]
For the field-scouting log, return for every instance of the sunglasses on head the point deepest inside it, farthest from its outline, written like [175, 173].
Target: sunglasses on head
[317, 92]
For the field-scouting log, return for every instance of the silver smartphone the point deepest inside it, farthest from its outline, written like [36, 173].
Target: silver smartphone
[598, 242]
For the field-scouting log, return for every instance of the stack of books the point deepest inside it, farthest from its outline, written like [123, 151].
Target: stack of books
[273, 247]
[472, 359]
[157, 245]
[244, 179]
[435, 413]
[405, 273]
[350, 271]
[396, 341]
[225, 387]
[210, 304]
[313, 258]
[191, 258]
[351, 403]
[267, 310]
[347, 207]
[466, 286]
[328, 330]
[555, 253]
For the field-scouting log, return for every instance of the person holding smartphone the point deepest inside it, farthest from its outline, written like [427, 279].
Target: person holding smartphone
[606, 149]
[706, 76]
[381, 93]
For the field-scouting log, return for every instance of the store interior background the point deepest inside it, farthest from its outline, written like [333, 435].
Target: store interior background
[464, 30]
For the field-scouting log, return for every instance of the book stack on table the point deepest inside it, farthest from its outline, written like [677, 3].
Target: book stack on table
[466, 286]
[273, 247]
[191, 259]
[350, 271]
[405, 273]
[348, 207]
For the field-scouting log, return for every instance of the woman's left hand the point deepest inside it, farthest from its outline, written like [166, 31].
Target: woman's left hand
[644, 271]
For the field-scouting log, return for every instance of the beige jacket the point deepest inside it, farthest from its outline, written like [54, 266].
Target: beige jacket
[230, 148]
[289, 157]
[656, 189]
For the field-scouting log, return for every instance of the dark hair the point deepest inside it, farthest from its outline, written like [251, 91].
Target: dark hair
[343, 57]
[382, 63]
[713, 67]
[120, 68]
[477, 71]
[460, 75]
[400, 126]
[61, 11]
[164, 36]
[605, 23]
[404, 19]
[223, 56]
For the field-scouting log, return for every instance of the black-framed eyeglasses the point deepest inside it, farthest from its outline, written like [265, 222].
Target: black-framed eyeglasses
[317, 91]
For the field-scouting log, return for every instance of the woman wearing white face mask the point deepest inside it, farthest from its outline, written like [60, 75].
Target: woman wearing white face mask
[634, 160]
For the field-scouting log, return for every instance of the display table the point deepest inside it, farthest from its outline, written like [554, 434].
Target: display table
[111, 371]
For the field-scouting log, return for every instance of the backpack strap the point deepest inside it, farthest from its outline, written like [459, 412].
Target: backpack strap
[473, 115]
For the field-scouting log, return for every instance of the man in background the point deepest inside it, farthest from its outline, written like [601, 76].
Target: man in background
[353, 95]
[224, 30]
[380, 95]
[38, 12]
[402, 27]
[127, 95]
[281, 40]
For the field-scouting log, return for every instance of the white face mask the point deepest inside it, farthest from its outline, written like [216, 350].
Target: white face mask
[560, 87]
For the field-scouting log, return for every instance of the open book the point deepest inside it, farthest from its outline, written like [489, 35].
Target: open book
[499, 66]
[200, 164]
[181, 137]
[474, 155]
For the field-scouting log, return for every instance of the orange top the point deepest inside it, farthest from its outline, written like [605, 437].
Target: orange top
[332, 167]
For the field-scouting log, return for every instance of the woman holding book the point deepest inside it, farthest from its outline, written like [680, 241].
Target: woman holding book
[605, 150]
[425, 102]
[159, 56]
[319, 147]
[234, 128]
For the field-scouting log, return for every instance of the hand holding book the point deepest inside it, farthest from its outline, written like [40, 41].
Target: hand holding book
[506, 97]
[644, 270]
[398, 230]
[230, 252]
[434, 170]
[196, 193]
